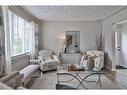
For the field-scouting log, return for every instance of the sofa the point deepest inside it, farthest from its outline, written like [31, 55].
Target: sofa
[11, 81]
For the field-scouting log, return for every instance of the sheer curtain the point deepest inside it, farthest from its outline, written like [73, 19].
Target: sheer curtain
[20, 34]
[34, 40]
[2, 42]
[20, 37]
[23, 35]
[7, 41]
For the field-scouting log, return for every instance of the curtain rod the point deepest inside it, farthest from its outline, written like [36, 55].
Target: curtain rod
[23, 13]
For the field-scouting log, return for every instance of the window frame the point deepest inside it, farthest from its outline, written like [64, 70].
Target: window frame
[12, 43]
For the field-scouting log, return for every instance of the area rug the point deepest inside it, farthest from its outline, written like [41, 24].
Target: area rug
[49, 81]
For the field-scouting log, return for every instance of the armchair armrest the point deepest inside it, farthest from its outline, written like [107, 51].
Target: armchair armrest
[56, 58]
[35, 61]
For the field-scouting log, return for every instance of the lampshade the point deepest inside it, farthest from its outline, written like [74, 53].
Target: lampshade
[62, 41]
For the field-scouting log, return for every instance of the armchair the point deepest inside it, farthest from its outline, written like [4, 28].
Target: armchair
[47, 60]
[98, 59]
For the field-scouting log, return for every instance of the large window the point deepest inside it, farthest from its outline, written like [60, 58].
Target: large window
[20, 34]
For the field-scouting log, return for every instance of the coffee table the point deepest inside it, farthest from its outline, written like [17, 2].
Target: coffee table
[75, 74]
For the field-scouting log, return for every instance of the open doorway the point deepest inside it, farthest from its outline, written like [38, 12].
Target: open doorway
[121, 45]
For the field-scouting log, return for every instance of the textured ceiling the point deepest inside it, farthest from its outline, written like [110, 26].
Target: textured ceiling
[82, 13]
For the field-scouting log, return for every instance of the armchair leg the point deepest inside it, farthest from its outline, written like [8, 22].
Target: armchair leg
[41, 72]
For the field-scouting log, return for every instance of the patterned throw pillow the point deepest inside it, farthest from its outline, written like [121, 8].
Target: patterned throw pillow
[90, 62]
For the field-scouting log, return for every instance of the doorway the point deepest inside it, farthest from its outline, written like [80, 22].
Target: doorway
[121, 45]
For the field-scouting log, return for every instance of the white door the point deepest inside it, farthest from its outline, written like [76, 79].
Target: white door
[118, 48]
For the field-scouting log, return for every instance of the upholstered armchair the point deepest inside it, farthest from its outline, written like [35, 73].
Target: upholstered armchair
[47, 60]
[93, 55]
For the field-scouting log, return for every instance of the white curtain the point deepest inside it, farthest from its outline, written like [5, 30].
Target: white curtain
[7, 41]
[34, 40]
[2, 42]
[31, 37]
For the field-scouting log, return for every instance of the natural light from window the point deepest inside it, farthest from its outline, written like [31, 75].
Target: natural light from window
[20, 34]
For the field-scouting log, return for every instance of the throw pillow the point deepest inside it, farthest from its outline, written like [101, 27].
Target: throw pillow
[90, 62]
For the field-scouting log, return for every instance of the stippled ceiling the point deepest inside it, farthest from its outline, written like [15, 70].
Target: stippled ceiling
[81, 13]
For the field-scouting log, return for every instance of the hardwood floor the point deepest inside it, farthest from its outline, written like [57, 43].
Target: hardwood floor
[120, 77]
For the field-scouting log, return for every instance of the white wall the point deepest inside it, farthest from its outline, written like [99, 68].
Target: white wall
[53, 30]
[124, 45]
[108, 35]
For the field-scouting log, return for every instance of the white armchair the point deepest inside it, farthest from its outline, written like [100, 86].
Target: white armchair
[47, 60]
[98, 59]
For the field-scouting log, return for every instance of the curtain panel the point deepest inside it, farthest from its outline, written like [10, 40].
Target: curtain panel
[5, 37]
[7, 41]
[34, 40]
[2, 42]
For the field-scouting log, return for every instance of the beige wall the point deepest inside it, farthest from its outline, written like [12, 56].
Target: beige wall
[53, 30]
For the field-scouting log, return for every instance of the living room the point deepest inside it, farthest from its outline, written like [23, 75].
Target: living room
[38, 42]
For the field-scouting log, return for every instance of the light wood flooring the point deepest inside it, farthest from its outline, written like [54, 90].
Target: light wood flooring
[120, 76]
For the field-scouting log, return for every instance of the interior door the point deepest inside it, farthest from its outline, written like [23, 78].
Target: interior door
[118, 48]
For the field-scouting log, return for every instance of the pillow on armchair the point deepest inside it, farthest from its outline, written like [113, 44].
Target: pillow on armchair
[46, 53]
[90, 62]
[87, 61]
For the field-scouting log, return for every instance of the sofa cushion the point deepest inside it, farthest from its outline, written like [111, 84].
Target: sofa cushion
[10, 79]
[27, 71]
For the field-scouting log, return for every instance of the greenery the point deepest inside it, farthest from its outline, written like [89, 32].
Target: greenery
[19, 46]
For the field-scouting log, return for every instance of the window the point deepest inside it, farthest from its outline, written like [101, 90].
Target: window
[20, 34]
